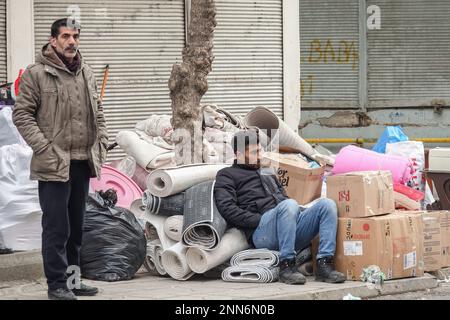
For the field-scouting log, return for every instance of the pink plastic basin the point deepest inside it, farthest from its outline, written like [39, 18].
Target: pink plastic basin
[127, 190]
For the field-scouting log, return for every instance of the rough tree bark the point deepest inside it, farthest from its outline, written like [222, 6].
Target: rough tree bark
[188, 83]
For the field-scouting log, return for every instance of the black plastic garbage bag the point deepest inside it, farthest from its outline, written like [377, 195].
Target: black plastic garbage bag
[114, 244]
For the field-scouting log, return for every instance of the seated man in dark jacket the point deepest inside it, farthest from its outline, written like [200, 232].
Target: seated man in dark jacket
[252, 199]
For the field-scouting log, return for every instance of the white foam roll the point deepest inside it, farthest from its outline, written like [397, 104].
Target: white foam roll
[140, 210]
[173, 227]
[174, 262]
[170, 181]
[147, 155]
[200, 260]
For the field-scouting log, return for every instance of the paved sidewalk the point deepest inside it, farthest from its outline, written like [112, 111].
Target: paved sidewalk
[145, 287]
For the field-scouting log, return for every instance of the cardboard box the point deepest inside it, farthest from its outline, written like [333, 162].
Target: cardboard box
[302, 183]
[432, 254]
[392, 242]
[432, 240]
[362, 194]
[445, 238]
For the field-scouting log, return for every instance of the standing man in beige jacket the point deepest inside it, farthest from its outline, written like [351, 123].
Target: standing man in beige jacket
[59, 115]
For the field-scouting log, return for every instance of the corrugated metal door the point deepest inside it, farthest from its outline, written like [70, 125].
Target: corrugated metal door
[248, 49]
[409, 57]
[329, 50]
[139, 39]
[2, 41]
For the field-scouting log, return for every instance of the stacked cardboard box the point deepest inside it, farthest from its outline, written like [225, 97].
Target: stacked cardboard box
[436, 238]
[368, 231]
[362, 194]
[445, 238]
[392, 242]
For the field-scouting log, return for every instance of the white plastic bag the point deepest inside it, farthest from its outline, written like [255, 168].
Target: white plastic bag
[20, 212]
[414, 151]
[8, 131]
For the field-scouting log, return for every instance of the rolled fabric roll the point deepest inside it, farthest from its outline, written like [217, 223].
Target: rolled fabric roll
[168, 206]
[203, 225]
[173, 227]
[152, 261]
[147, 155]
[259, 257]
[170, 181]
[174, 262]
[200, 260]
[250, 273]
[141, 212]
[282, 135]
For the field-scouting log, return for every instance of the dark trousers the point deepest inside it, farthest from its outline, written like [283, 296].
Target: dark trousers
[63, 206]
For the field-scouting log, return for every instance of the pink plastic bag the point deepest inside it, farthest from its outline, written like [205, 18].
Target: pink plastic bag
[352, 158]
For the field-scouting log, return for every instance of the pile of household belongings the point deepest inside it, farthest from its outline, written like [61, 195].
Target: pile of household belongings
[185, 232]
[149, 145]
[20, 212]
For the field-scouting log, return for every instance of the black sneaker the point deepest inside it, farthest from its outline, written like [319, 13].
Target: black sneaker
[289, 273]
[85, 290]
[61, 294]
[326, 271]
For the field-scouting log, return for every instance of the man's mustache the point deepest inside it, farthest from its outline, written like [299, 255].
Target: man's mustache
[71, 49]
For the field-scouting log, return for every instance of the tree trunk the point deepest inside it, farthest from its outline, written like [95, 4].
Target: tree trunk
[188, 83]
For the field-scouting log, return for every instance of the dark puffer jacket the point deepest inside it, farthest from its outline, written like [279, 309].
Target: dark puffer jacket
[244, 194]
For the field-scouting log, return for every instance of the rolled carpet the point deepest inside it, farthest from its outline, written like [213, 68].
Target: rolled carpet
[152, 261]
[255, 257]
[139, 209]
[249, 273]
[203, 226]
[200, 260]
[174, 262]
[173, 227]
[147, 155]
[168, 206]
[170, 181]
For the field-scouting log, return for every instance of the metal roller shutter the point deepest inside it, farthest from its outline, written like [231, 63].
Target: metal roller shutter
[139, 39]
[2, 41]
[248, 49]
[329, 50]
[409, 56]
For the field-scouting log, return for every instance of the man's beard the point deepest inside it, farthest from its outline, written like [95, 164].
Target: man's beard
[256, 165]
[72, 50]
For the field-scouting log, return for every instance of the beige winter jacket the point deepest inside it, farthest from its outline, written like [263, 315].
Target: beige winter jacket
[44, 116]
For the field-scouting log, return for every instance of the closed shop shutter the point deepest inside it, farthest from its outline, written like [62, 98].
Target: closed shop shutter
[142, 39]
[409, 57]
[139, 39]
[329, 50]
[248, 49]
[2, 41]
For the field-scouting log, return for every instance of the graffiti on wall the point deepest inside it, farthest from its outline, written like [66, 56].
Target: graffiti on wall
[326, 52]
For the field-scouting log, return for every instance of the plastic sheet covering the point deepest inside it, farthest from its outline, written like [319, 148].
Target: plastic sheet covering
[20, 212]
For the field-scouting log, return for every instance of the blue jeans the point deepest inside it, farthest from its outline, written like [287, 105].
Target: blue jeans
[288, 229]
